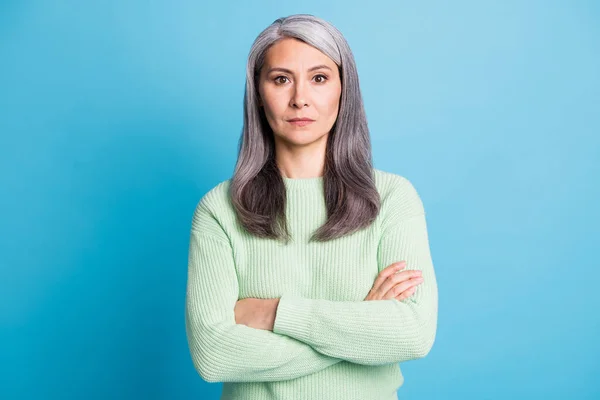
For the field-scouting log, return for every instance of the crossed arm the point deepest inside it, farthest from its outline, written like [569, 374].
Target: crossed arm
[307, 335]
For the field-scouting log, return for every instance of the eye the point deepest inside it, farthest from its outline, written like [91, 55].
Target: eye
[277, 81]
[323, 76]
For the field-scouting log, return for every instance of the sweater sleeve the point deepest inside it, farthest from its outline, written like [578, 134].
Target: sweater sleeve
[222, 350]
[375, 332]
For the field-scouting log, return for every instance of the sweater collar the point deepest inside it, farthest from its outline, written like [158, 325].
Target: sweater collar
[303, 183]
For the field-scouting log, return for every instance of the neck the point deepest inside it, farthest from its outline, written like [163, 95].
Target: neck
[301, 162]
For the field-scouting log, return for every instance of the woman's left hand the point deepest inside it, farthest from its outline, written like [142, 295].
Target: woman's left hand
[256, 313]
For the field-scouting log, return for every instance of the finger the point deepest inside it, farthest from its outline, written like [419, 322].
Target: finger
[393, 280]
[404, 286]
[401, 296]
[401, 287]
[387, 271]
[406, 294]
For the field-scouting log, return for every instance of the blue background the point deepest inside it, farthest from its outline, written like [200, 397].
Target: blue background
[116, 117]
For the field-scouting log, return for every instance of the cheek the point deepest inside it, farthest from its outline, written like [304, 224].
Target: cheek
[330, 106]
[275, 105]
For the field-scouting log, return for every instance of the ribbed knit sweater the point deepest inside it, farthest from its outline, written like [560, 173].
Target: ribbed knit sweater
[328, 343]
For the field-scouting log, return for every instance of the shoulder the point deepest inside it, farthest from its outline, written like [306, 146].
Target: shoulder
[217, 197]
[399, 195]
[213, 208]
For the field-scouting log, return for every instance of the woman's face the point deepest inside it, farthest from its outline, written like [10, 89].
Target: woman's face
[298, 81]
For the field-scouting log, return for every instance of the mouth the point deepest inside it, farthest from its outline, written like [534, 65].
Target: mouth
[300, 121]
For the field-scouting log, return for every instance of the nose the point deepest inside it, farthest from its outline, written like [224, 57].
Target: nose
[299, 97]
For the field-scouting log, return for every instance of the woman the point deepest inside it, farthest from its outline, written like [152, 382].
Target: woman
[294, 283]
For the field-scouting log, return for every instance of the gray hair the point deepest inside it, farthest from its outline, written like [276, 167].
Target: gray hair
[257, 189]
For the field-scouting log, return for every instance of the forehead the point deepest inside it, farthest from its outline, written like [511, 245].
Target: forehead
[295, 54]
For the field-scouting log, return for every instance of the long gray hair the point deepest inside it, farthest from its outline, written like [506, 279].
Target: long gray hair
[257, 189]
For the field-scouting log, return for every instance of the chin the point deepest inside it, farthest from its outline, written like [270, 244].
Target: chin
[300, 138]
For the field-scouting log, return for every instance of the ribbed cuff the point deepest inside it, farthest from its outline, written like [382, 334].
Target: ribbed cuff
[294, 317]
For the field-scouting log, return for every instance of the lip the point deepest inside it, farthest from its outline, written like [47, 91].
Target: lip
[300, 121]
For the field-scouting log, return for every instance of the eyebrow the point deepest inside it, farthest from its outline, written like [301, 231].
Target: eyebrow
[290, 72]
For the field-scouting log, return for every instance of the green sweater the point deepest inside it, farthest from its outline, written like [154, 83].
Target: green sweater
[327, 343]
